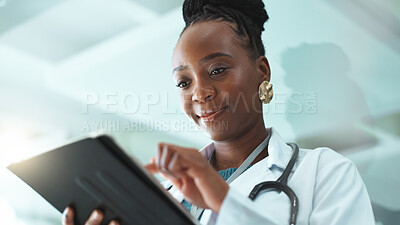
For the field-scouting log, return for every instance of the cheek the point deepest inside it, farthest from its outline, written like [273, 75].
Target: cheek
[244, 96]
[185, 103]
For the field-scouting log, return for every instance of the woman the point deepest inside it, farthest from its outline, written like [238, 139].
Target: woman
[219, 67]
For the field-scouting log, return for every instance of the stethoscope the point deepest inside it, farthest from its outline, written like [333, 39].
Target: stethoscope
[279, 185]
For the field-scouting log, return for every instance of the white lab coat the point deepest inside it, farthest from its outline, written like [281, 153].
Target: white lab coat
[328, 186]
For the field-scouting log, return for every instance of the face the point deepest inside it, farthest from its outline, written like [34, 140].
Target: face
[217, 80]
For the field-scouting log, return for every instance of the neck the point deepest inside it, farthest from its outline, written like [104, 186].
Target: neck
[232, 153]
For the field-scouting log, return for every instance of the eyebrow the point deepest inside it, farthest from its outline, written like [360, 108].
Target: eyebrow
[213, 56]
[180, 68]
[203, 60]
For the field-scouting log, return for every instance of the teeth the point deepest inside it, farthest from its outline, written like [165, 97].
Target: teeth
[208, 111]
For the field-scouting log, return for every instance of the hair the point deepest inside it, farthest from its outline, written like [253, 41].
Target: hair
[249, 17]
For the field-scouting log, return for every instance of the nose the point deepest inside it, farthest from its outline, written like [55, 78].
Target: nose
[202, 93]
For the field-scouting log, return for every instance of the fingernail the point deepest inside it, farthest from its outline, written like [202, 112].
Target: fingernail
[114, 222]
[96, 215]
[66, 212]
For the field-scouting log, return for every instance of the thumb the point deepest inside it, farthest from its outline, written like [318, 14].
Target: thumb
[151, 167]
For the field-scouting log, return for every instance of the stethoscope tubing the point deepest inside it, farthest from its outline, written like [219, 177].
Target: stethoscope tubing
[278, 186]
[281, 185]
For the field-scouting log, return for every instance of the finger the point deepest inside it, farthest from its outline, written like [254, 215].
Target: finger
[166, 156]
[162, 156]
[167, 173]
[157, 159]
[152, 168]
[176, 166]
[114, 222]
[95, 218]
[175, 182]
[68, 216]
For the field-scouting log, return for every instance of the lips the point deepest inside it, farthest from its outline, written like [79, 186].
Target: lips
[211, 115]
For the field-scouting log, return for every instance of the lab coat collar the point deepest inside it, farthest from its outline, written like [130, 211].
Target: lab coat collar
[279, 153]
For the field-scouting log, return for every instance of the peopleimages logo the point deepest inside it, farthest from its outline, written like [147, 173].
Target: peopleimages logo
[147, 126]
[113, 102]
[145, 103]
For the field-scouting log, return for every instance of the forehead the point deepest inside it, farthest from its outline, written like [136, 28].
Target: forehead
[205, 38]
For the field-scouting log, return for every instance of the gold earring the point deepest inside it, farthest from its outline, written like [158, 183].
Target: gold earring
[265, 92]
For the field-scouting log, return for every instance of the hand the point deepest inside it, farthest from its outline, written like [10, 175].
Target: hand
[95, 218]
[191, 173]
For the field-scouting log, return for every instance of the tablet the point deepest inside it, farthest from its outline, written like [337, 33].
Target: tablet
[94, 173]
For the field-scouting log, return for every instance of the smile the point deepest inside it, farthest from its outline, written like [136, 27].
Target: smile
[211, 116]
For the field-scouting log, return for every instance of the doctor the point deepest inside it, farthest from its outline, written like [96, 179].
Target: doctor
[222, 76]
[219, 66]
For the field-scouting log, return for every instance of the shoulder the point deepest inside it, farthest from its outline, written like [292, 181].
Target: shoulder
[325, 158]
[337, 189]
[327, 167]
[332, 171]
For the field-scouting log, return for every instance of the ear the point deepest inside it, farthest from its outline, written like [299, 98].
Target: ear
[263, 68]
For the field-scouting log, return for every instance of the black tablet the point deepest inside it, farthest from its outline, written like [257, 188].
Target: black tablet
[94, 173]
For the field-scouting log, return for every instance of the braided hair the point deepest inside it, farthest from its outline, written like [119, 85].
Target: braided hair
[248, 16]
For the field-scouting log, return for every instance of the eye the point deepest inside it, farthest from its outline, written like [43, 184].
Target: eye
[217, 71]
[182, 84]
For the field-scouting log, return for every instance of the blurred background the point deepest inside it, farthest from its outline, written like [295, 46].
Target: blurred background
[70, 68]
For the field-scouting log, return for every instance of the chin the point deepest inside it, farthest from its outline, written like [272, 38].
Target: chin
[218, 130]
[217, 133]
